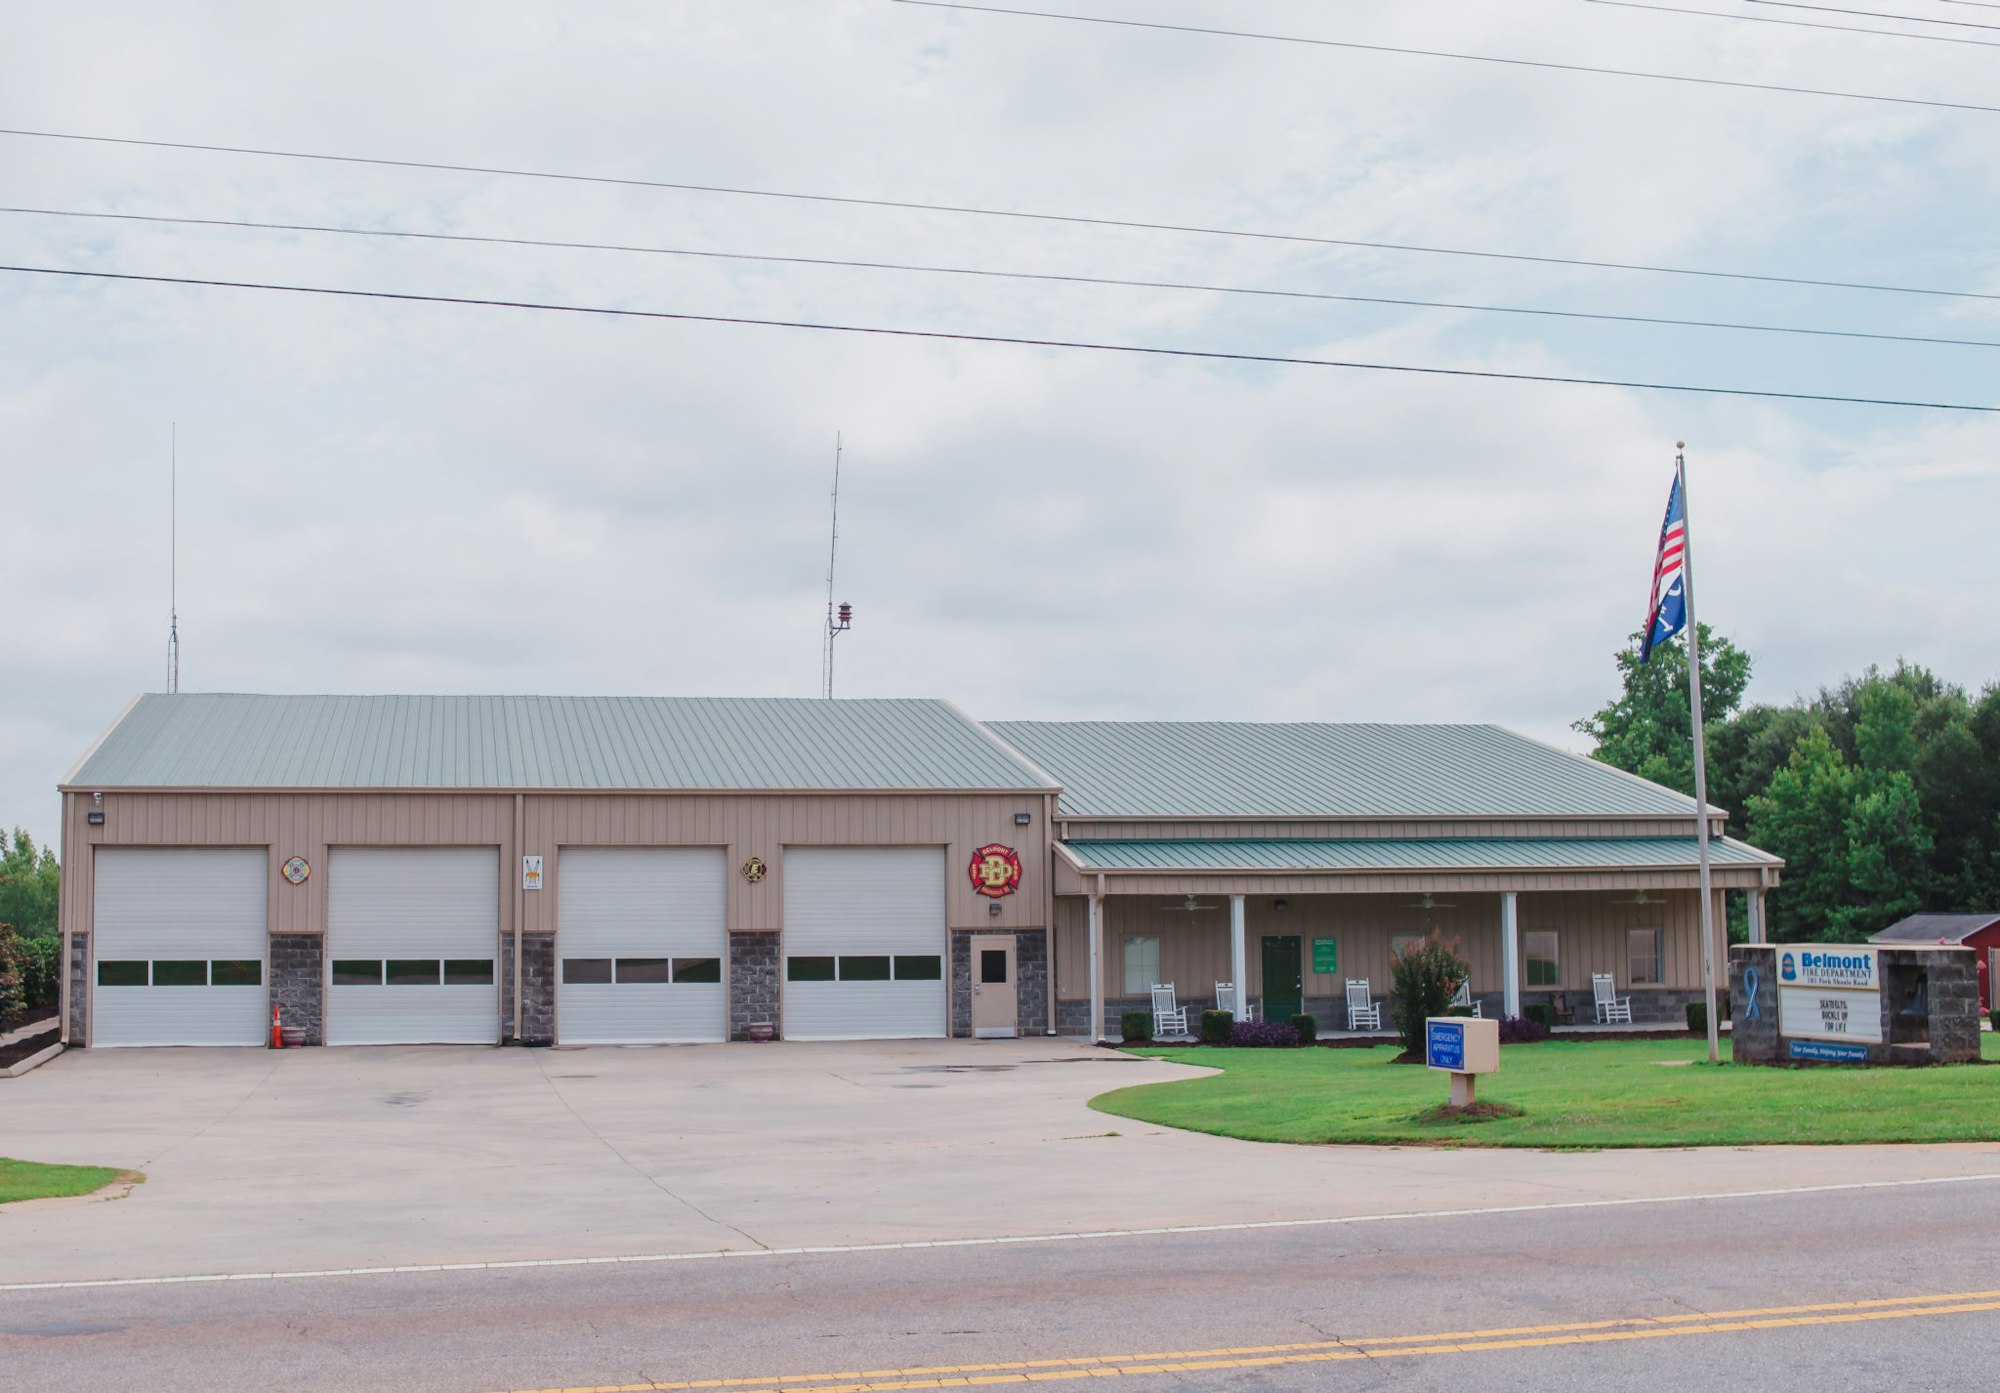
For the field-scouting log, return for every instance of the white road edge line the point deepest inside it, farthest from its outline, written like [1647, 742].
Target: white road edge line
[818, 1250]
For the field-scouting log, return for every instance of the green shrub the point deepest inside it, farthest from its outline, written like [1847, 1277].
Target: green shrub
[1423, 978]
[41, 970]
[13, 987]
[1136, 1027]
[1216, 1027]
[1540, 1011]
[1465, 1011]
[1307, 1027]
[1697, 1017]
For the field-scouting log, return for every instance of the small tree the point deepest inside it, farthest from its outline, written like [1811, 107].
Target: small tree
[1423, 978]
[13, 986]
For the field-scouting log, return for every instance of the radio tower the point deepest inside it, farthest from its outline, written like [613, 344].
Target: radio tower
[839, 619]
[173, 558]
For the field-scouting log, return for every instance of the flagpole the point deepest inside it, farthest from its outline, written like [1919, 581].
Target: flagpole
[1700, 759]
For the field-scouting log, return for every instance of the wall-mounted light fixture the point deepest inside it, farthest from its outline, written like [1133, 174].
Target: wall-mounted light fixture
[95, 817]
[993, 909]
[1281, 904]
[1023, 819]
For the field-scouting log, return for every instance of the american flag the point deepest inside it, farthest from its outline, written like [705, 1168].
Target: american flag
[1666, 610]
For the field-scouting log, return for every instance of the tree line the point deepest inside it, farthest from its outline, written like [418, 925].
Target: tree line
[1882, 793]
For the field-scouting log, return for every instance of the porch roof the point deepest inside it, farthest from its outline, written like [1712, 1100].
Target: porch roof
[1202, 856]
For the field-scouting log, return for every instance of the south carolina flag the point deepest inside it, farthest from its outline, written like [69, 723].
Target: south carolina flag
[1666, 611]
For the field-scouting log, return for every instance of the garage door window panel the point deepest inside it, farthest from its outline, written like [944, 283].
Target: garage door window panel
[919, 967]
[809, 969]
[864, 968]
[179, 972]
[123, 973]
[587, 971]
[356, 972]
[645, 971]
[468, 972]
[236, 973]
[698, 970]
[413, 972]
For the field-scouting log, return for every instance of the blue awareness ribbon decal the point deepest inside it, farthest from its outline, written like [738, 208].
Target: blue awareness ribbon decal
[1750, 993]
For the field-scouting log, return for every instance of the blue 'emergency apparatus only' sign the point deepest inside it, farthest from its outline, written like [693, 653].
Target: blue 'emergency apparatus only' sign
[1444, 1044]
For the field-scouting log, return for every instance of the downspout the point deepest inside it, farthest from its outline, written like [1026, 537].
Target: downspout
[1049, 905]
[520, 905]
[65, 890]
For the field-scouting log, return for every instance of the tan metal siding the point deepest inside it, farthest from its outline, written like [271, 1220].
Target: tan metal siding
[1414, 882]
[307, 824]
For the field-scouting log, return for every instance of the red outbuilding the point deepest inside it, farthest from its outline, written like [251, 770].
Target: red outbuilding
[1980, 932]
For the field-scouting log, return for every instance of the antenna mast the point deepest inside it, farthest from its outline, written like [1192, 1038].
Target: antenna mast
[838, 619]
[173, 558]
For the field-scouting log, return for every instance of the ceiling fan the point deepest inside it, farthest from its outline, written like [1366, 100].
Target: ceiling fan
[1192, 906]
[1429, 901]
[1638, 897]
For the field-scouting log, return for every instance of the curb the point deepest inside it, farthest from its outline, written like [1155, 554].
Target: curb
[33, 1061]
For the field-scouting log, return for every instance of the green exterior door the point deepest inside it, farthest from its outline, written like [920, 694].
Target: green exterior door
[1284, 989]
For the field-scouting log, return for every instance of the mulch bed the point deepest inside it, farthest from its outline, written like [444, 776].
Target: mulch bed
[35, 1042]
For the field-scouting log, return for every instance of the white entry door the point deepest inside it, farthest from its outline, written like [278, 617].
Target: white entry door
[640, 941]
[179, 947]
[413, 938]
[864, 943]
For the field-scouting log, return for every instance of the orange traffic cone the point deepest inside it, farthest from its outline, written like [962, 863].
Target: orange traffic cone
[277, 1034]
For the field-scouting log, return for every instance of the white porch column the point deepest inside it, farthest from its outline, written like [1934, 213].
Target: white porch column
[1756, 914]
[1096, 968]
[1510, 956]
[1238, 969]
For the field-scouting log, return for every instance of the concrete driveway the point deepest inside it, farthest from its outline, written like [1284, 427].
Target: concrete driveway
[338, 1158]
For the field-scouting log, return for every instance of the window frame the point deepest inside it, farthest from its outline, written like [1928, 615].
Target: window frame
[1553, 958]
[1149, 980]
[1658, 974]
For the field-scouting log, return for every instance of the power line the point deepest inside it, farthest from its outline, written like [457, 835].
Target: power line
[1210, 355]
[1070, 219]
[1871, 14]
[1400, 302]
[1542, 64]
[1800, 24]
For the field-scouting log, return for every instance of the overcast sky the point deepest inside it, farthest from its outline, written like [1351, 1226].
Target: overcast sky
[381, 497]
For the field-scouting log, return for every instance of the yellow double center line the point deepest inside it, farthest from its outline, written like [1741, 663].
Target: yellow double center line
[1329, 1351]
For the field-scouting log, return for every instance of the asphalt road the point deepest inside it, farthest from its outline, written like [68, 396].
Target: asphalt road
[1901, 1288]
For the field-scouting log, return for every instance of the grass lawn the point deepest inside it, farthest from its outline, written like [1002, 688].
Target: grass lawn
[34, 1180]
[1572, 1094]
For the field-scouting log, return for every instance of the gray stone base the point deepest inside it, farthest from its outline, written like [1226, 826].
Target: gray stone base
[298, 983]
[755, 997]
[79, 989]
[1031, 980]
[538, 1001]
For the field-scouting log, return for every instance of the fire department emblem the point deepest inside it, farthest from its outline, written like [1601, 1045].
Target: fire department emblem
[296, 870]
[754, 869]
[995, 871]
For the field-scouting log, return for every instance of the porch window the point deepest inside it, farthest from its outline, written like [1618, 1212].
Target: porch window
[1642, 950]
[1543, 968]
[1142, 964]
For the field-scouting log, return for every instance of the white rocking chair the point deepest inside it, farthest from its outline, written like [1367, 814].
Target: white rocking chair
[1611, 1007]
[1463, 997]
[1361, 1008]
[1168, 1018]
[1227, 998]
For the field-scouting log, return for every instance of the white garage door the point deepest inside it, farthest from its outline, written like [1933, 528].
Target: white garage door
[640, 936]
[412, 941]
[864, 943]
[180, 948]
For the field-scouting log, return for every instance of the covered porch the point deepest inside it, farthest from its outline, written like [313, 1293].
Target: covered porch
[1293, 922]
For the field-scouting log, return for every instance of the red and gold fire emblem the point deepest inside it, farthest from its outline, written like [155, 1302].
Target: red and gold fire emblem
[995, 871]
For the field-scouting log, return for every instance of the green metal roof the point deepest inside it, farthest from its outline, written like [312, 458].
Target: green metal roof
[1429, 854]
[1237, 769]
[215, 740]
